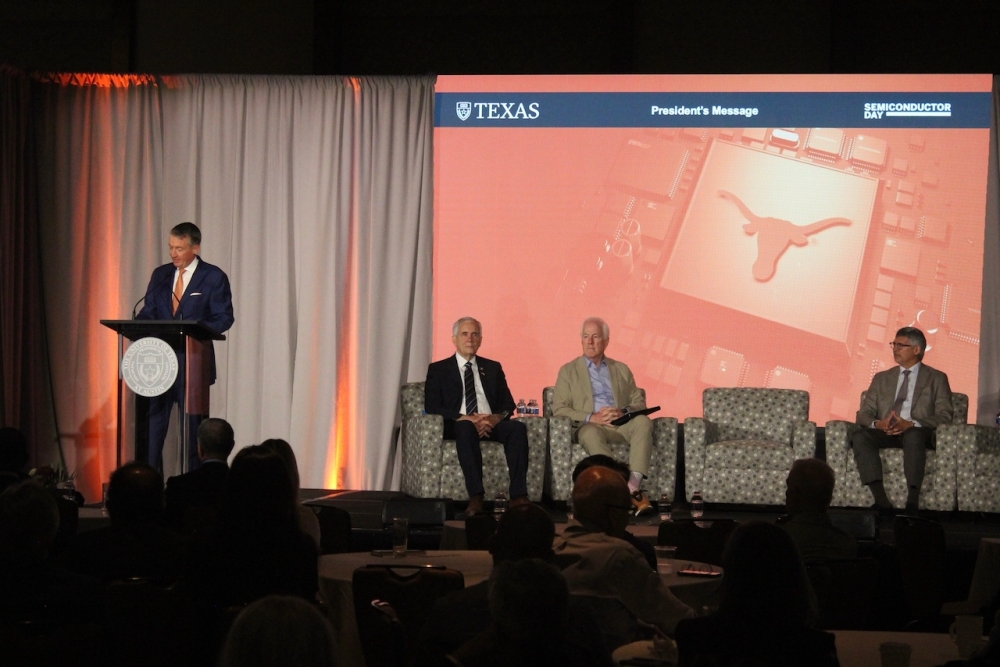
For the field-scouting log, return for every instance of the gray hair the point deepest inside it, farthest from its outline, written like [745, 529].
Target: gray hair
[461, 320]
[605, 331]
[916, 337]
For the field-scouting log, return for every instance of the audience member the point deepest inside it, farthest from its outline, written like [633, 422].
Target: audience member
[31, 588]
[307, 518]
[529, 602]
[256, 548]
[523, 532]
[808, 492]
[598, 563]
[13, 457]
[766, 609]
[644, 547]
[279, 630]
[192, 499]
[134, 545]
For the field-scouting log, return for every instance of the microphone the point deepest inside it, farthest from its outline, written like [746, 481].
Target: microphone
[146, 295]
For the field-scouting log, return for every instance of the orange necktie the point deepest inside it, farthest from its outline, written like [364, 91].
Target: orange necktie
[178, 292]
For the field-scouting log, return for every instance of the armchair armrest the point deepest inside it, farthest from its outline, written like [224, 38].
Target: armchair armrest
[803, 439]
[698, 434]
[663, 461]
[423, 437]
[538, 436]
[961, 445]
[560, 463]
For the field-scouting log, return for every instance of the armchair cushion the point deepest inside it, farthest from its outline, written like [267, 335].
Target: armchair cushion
[749, 454]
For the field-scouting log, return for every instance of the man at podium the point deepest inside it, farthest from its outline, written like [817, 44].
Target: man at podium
[188, 288]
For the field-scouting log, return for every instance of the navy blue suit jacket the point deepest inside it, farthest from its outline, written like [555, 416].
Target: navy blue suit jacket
[444, 393]
[207, 299]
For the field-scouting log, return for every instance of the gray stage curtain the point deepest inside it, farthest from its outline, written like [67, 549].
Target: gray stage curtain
[24, 385]
[989, 343]
[312, 193]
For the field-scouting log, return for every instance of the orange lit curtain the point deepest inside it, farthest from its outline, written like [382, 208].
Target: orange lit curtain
[312, 193]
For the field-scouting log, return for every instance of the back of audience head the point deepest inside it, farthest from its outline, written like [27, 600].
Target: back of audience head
[601, 460]
[601, 499]
[283, 451]
[29, 520]
[135, 494]
[809, 486]
[529, 600]
[766, 582]
[276, 631]
[215, 439]
[13, 450]
[524, 531]
[258, 497]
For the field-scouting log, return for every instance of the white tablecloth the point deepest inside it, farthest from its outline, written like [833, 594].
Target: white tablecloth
[336, 572]
[861, 649]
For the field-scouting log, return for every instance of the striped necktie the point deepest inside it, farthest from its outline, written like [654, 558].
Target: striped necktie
[471, 405]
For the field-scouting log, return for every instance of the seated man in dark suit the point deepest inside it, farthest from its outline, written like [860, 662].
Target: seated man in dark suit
[134, 545]
[901, 409]
[809, 489]
[471, 393]
[198, 492]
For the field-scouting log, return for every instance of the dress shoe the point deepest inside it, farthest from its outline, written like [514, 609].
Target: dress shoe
[520, 500]
[475, 506]
[641, 504]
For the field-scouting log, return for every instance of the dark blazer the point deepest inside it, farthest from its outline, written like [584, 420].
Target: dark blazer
[202, 487]
[207, 299]
[444, 392]
[931, 398]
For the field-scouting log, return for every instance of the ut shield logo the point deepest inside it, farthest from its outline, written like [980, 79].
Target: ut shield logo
[464, 110]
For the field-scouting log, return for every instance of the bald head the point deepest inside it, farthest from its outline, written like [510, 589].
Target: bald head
[809, 486]
[601, 498]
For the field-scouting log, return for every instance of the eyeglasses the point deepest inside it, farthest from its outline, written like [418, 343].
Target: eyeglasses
[899, 346]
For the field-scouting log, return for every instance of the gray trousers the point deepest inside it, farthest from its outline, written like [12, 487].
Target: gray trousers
[914, 441]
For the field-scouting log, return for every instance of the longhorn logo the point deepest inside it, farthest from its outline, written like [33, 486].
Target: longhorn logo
[774, 235]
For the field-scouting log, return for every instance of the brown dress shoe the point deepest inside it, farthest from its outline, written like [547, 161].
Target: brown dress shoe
[475, 505]
[641, 504]
[520, 500]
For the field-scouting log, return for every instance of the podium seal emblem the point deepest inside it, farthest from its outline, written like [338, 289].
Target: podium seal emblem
[149, 367]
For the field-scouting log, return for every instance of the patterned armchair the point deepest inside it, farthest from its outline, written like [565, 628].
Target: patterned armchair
[743, 447]
[938, 490]
[977, 449]
[565, 454]
[430, 463]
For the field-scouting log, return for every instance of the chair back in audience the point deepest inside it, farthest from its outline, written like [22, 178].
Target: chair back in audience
[845, 592]
[702, 541]
[410, 590]
[146, 623]
[920, 547]
[390, 635]
[479, 530]
[334, 529]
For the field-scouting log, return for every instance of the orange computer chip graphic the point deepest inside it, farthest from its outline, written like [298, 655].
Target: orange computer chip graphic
[775, 237]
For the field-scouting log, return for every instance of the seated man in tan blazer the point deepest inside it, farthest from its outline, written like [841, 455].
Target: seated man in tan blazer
[594, 390]
[901, 409]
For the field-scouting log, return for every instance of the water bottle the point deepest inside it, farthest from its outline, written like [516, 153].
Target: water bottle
[697, 506]
[664, 507]
[569, 508]
[500, 503]
[522, 409]
[533, 408]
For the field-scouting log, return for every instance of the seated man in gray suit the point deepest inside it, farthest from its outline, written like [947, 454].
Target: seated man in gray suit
[902, 408]
[593, 391]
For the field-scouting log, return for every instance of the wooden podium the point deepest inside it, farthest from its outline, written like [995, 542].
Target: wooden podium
[191, 341]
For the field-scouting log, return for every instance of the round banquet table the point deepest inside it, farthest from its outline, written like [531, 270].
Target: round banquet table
[855, 648]
[453, 533]
[336, 572]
